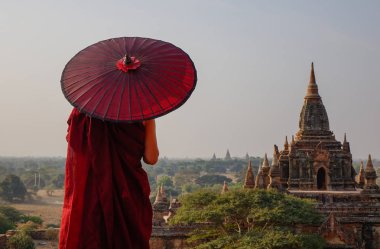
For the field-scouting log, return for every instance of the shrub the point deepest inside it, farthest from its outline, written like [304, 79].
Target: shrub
[35, 219]
[28, 227]
[5, 224]
[11, 213]
[21, 240]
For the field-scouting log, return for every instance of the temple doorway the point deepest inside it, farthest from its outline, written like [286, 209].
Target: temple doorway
[321, 179]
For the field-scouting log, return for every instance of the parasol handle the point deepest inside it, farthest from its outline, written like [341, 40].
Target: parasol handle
[127, 59]
[128, 63]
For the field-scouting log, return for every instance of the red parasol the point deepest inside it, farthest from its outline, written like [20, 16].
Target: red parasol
[129, 79]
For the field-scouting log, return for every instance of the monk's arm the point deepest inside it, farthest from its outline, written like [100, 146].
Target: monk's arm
[151, 149]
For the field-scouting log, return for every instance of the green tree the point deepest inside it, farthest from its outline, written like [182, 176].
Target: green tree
[242, 219]
[209, 180]
[35, 219]
[189, 187]
[165, 180]
[58, 181]
[11, 213]
[183, 177]
[12, 188]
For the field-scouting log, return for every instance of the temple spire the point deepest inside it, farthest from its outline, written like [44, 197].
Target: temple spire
[286, 144]
[369, 165]
[274, 172]
[361, 176]
[275, 156]
[249, 181]
[159, 198]
[225, 187]
[265, 162]
[163, 194]
[313, 117]
[346, 145]
[312, 89]
[228, 155]
[370, 176]
[312, 75]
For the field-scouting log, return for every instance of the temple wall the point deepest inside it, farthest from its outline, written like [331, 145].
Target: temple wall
[3, 241]
[376, 236]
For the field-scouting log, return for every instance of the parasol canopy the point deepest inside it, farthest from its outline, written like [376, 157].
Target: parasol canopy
[129, 79]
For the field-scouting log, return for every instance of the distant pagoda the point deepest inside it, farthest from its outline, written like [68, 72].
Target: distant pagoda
[225, 187]
[361, 176]
[262, 178]
[160, 206]
[249, 181]
[315, 160]
[274, 172]
[228, 156]
[370, 177]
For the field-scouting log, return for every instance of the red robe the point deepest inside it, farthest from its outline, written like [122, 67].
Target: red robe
[106, 203]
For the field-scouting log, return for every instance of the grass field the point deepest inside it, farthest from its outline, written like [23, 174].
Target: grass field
[49, 208]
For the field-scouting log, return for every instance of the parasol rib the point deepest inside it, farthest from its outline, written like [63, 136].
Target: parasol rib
[118, 82]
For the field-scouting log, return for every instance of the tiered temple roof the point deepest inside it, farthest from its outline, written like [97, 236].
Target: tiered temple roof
[262, 178]
[249, 181]
[370, 176]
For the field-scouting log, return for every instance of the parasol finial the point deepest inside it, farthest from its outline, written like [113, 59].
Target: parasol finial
[127, 59]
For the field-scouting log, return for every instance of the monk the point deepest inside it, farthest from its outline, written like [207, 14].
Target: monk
[106, 203]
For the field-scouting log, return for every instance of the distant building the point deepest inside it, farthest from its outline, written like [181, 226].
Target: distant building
[228, 156]
[361, 176]
[316, 165]
[262, 178]
[249, 181]
[160, 207]
[225, 188]
[274, 172]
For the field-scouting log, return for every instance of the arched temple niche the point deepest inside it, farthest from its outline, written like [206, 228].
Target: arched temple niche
[321, 179]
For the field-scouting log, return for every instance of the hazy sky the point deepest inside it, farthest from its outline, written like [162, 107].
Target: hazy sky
[253, 60]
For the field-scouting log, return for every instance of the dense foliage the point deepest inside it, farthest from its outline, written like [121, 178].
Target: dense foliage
[209, 180]
[185, 176]
[5, 224]
[35, 173]
[21, 240]
[11, 213]
[248, 219]
[10, 218]
[12, 188]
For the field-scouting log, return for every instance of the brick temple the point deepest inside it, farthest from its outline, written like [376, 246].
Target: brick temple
[313, 165]
[316, 165]
[314, 159]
